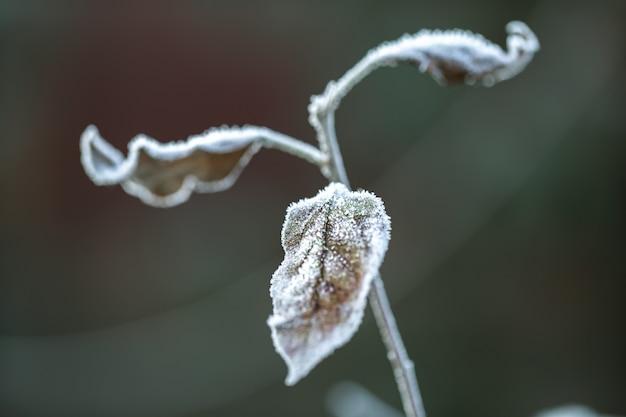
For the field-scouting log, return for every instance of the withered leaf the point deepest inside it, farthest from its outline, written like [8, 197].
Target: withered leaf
[334, 244]
[455, 56]
[165, 174]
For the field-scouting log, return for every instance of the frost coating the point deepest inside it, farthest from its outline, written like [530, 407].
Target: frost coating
[165, 174]
[461, 56]
[450, 56]
[334, 244]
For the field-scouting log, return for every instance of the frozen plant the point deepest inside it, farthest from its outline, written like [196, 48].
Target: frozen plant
[335, 242]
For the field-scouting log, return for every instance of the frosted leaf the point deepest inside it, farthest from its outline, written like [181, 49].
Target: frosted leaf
[455, 56]
[450, 57]
[165, 174]
[334, 244]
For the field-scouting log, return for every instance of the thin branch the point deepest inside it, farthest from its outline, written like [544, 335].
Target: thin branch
[402, 366]
[336, 168]
[273, 139]
[404, 370]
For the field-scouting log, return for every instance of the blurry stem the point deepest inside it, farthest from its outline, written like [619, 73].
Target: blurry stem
[403, 368]
[323, 120]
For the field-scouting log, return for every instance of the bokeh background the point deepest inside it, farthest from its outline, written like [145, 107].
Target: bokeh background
[506, 268]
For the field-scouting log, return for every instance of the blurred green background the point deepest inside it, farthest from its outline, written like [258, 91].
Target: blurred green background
[506, 267]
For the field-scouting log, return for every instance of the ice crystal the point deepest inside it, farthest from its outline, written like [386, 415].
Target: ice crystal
[334, 244]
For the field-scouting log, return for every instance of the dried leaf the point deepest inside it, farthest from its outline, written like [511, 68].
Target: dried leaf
[456, 56]
[165, 174]
[334, 244]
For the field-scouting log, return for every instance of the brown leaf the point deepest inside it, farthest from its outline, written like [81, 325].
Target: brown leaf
[334, 244]
[455, 56]
[164, 175]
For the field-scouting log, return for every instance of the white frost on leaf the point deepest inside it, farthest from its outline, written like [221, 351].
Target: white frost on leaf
[165, 174]
[334, 244]
[461, 56]
[450, 57]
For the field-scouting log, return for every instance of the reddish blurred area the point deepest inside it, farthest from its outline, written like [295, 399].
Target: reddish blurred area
[128, 68]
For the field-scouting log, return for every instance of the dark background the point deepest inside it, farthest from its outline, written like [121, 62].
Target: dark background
[506, 267]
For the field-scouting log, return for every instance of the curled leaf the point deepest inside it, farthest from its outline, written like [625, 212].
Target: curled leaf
[165, 175]
[334, 244]
[455, 56]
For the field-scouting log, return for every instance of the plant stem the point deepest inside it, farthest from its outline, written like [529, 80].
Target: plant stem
[273, 139]
[336, 168]
[322, 117]
[403, 368]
